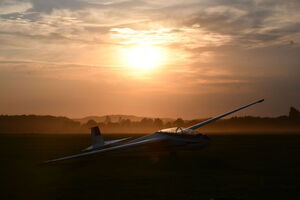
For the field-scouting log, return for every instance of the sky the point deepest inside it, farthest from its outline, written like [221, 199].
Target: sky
[172, 58]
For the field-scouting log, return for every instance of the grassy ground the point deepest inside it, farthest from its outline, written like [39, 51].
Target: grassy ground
[232, 167]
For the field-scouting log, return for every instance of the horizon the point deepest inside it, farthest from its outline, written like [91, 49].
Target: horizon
[238, 114]
[48, 124]
[151, 117]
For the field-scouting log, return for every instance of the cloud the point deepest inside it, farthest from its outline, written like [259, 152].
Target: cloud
[186, 25]
[216, 48]
[14, 6]
[45, 6]
[249, 23]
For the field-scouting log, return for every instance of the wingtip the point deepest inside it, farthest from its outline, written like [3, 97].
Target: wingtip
[261, 100]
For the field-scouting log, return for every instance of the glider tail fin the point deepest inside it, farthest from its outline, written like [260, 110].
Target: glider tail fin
[97, 139]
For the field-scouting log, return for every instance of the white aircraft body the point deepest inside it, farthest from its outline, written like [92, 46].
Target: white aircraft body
[170, 140]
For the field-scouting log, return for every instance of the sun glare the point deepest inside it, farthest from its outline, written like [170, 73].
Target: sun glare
[143, 57]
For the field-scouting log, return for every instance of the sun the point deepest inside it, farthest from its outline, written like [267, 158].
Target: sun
[143, 57]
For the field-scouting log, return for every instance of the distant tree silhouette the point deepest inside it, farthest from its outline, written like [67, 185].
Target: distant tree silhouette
[294, 113]
[107, 120]
[168, 125]
[51, 124]
[120, 119]
[158, 123]
[125, 122]
[147, 122]
[178, 122]
[38, 124]
[91, 123]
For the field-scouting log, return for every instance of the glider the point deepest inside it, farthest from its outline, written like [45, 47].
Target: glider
[170, 140]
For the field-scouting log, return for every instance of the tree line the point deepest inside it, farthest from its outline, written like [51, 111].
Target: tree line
[51, 124]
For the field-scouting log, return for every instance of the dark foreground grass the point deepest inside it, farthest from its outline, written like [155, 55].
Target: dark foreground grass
[232, 167]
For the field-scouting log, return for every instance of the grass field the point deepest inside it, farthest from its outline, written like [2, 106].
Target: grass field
[232, 167]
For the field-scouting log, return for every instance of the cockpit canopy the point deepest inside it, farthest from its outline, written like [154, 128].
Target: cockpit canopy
[179, 130]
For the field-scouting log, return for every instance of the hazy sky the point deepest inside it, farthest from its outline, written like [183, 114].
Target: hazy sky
[172, 58]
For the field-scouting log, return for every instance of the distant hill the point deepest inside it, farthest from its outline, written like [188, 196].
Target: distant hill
[117, 118]
[38, 124]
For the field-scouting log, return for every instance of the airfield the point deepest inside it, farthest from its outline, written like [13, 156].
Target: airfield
[232, 167]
